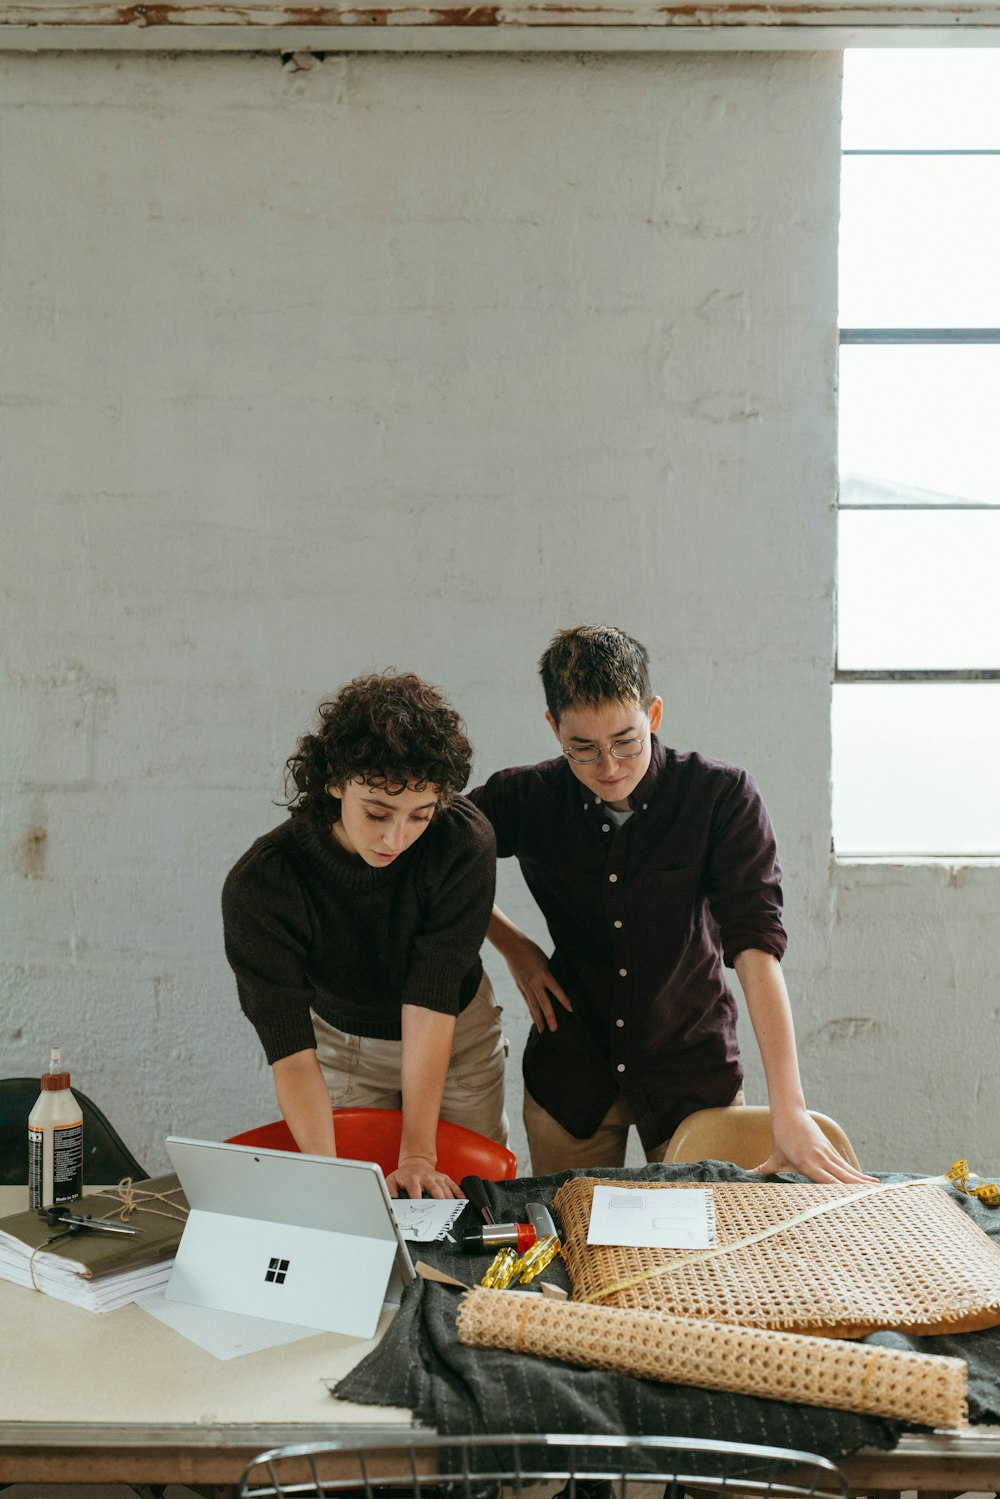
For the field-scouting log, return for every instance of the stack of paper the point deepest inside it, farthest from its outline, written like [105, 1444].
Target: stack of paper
[96, 1270]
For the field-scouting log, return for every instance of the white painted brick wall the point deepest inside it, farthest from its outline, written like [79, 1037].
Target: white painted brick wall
[411, 361]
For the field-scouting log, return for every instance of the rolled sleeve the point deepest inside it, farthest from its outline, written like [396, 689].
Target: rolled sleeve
[744, 876]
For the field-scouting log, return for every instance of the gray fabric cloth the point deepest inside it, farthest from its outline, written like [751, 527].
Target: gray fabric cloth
[456, 1390]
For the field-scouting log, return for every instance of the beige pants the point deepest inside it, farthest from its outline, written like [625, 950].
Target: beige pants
[363, 1072]
[554, 1149]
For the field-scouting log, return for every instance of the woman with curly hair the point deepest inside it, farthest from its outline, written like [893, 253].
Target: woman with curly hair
[354, 929]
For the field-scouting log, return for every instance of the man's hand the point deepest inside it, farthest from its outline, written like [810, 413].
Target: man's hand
[419, 1174]
[798, 1144]
[529, 969]
[532, 975]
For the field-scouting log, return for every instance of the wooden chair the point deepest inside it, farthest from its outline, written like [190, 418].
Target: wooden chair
[374, 1134]
[740, 1135]
[425, 1464]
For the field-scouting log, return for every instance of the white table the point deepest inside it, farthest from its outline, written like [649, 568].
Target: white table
[118, 1397]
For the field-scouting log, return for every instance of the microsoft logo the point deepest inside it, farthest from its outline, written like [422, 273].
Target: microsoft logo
[276, 1271]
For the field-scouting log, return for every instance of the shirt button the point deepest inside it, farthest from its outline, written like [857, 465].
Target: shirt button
[621, 1066]
[613, 878]
[586, 806]
[597, 801]
[605, 827]
[619, 1023]
[645, 806]
[622, 972]
[618, 923]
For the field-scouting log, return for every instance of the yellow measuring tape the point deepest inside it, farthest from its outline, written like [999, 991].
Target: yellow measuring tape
[964, 1180]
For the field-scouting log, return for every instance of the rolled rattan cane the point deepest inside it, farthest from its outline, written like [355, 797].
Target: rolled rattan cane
[680, 1350]
[837, 1260]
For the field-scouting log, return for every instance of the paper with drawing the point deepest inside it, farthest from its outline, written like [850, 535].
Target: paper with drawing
[657, 1219]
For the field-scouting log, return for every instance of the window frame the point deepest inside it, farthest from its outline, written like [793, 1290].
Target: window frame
[881, 337]
[855, 336]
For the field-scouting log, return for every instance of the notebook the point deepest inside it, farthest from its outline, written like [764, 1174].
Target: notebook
[295, 1238]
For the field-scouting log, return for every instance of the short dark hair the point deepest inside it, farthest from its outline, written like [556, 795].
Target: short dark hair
[390, 730]
[594, 664]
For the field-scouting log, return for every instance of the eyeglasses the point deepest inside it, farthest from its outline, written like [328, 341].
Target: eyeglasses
[623, 749]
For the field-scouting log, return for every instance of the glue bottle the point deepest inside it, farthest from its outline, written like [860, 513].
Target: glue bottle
[55, 1140]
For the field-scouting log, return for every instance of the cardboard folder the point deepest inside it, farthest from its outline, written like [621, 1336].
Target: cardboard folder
[93, 1254]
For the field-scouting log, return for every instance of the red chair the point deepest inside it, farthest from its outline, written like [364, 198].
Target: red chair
[373, 1135]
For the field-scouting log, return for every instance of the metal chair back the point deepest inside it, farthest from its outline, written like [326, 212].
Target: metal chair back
[426, 1466]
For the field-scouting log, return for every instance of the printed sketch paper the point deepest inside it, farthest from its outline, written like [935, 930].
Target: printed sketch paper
[681, 1219]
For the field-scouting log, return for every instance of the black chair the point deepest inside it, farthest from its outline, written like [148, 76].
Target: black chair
[106, 1157]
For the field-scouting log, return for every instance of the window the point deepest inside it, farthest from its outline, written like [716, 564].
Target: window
[916, 698]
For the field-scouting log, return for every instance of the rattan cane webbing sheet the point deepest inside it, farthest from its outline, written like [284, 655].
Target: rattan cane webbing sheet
[900, 1257]
[749, 1361]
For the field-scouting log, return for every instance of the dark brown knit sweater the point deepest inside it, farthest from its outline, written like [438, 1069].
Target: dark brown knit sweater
[308, 927]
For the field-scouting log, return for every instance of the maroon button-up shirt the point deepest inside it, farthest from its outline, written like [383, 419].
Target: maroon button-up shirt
[642, 919]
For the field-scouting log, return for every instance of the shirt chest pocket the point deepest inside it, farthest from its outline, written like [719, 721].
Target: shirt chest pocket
[665, 905]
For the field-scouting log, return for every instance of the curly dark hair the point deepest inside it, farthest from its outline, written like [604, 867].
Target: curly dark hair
[390, 730]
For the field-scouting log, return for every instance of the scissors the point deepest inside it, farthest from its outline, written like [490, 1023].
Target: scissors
[77, 1225]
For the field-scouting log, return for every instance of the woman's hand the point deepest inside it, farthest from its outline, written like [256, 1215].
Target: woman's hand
[419, 1174]
[300, 1089]
[531, 973]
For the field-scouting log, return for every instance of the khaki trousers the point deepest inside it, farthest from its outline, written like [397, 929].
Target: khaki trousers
[364, 1072]
[555, 1149]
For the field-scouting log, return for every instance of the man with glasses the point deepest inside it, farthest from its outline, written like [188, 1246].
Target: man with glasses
[653, 868]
